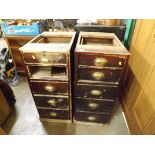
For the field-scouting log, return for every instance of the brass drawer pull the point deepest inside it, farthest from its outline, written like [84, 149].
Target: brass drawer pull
[100, 62]
[96, 92]
[53, 114]
[33, 57]
[52, 102]
[44, 59]
[21, 43]
[93, 105]
[91, 118]
[98, 75]
[49, 88]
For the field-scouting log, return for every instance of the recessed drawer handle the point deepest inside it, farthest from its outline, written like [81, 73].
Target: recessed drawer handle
[100, 62]
[53, 114]
[49, 88]
[52, 102]
[91, 118]
[96, 92]
[93, 105]
[98, 75]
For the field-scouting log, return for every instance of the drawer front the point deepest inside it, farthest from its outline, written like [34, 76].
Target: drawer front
[49, 88]
[54, 114]
[91, 117]
[18, 42]
[94, 105]
[104, 75]
[52, 102]
[96, 91]
[45, 58]
[102, 60]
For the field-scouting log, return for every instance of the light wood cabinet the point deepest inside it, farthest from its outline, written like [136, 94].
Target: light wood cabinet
[138, 91]
[14, 43]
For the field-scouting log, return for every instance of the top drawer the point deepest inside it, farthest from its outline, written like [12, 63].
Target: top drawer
[99, 60]
[44, 58]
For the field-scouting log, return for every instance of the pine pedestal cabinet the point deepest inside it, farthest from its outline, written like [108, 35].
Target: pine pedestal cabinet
[100, 59]
[14, 43]
[47, 63]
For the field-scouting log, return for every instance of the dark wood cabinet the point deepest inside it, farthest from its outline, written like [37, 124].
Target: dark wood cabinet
[14, 43]
[100, 59]
[47, 63]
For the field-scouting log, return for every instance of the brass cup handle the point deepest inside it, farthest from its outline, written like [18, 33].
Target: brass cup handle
[98, 75]
[52, 102]
[100, 62]
[49, 88]
[91, 118]
[53, 114]
[44, 59]
[96, 92]
[21, 43]
[33, 57]
[93, 105]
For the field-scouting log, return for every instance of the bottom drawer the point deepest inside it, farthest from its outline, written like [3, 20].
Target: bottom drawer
[54, 114]
[91, 117]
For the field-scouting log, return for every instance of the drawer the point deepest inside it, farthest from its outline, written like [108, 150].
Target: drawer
[96, 91]
[104, 75]
[52, 102]
[101, 60]
[50, 88]
[54, 114]
[44, 58]
[86, 116]
[94, 105]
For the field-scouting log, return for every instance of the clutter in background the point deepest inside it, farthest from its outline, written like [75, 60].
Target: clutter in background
[7, 69]
[55, 25]
[106, 22]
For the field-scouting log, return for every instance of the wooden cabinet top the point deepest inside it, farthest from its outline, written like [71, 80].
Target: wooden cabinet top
[19, 37]
[50, 42]
[100, 42]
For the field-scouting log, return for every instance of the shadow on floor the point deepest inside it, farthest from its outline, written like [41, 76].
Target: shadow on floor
[59, 128]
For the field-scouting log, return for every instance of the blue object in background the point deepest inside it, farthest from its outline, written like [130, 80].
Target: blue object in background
[34, 29]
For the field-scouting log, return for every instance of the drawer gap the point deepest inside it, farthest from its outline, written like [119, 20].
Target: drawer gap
[47, 72]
